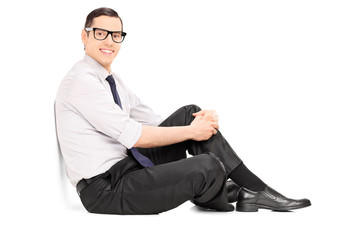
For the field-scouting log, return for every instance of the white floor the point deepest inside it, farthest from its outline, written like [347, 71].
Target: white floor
[61, 216]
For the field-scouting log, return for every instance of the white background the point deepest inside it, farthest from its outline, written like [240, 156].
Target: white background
[283, 76]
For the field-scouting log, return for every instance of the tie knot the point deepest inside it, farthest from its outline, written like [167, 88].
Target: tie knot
[110, 79]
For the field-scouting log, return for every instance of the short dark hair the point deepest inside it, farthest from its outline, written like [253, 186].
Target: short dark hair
[101, 12]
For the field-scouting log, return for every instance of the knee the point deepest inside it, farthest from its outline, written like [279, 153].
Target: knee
[212, 165]
[192, 108]
[211, 177]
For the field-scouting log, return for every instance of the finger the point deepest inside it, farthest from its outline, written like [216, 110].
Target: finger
[215, 125]
[214, 132]
[201, 112]
[211, 115]
[215, 116]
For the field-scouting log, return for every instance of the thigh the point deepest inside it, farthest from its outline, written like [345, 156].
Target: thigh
[166, 186]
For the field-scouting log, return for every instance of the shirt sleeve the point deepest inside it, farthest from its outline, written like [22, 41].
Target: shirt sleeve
[88, 97]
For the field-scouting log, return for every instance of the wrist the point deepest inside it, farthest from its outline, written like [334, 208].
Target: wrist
[188, 132]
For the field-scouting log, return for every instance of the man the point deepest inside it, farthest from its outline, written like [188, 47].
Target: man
[124, 159]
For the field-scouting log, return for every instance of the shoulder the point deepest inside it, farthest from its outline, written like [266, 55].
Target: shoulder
[81, 69]
[81, 77]
[81, 73]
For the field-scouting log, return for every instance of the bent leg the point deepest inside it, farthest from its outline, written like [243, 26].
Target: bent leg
[217, 144]
[166, 186]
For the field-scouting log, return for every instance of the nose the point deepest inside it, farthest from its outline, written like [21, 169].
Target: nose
[108, 40]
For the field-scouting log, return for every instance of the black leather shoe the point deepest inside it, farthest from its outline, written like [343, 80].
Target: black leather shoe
[249, 201]
[232, 191]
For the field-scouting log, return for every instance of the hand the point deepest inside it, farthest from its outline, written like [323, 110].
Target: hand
[202, 129]
[210, 115]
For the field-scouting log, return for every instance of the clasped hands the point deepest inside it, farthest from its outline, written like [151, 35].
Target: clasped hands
[204, 125]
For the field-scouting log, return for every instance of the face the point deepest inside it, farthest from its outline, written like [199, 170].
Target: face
[106, 50]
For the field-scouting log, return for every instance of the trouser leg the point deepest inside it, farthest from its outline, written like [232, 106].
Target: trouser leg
[166, 186]
[217, 144]
[127, 188]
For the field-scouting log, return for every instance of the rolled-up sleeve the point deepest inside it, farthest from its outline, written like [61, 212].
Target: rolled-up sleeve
[88, 97]
[130, 134]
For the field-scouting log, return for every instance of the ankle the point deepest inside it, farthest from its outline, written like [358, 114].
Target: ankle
[242, 176]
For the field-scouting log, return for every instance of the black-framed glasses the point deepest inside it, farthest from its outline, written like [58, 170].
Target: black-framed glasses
[102, 34]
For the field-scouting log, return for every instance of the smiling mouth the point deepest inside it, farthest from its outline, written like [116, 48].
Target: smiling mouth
[106, 51]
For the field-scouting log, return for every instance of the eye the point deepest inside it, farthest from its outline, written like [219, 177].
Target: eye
[100, 33]
[117, 35]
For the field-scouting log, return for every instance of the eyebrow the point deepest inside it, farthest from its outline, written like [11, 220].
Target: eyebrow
[105, 29]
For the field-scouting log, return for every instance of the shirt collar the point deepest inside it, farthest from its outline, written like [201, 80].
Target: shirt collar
[102, 72]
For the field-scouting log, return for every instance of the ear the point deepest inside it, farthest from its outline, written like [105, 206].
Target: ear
[84, 36]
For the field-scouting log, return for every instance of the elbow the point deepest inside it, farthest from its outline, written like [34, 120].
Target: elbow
[143, 141]
[138, 143]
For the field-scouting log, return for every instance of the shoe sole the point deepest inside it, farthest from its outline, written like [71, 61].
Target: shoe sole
[256, 207]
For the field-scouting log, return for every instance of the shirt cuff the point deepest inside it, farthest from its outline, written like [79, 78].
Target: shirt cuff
[131, 134]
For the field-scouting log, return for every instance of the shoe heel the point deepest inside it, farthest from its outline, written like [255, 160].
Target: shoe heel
[247, 208]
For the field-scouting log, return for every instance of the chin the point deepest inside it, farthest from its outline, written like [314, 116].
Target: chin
[105, 62]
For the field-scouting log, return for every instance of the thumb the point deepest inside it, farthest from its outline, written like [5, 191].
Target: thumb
[202, 112]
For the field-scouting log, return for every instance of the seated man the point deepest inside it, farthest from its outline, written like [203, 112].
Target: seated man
[125, 159]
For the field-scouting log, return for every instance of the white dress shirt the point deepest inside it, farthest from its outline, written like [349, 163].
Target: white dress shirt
[93, 131]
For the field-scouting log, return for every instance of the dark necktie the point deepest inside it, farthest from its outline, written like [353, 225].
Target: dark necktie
[143, 160]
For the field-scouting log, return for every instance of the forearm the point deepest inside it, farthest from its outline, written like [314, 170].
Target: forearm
[162, 136]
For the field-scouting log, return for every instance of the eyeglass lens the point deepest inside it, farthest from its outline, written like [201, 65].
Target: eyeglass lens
[102, 34]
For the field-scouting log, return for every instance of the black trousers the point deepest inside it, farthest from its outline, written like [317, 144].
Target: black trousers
[129, 188]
